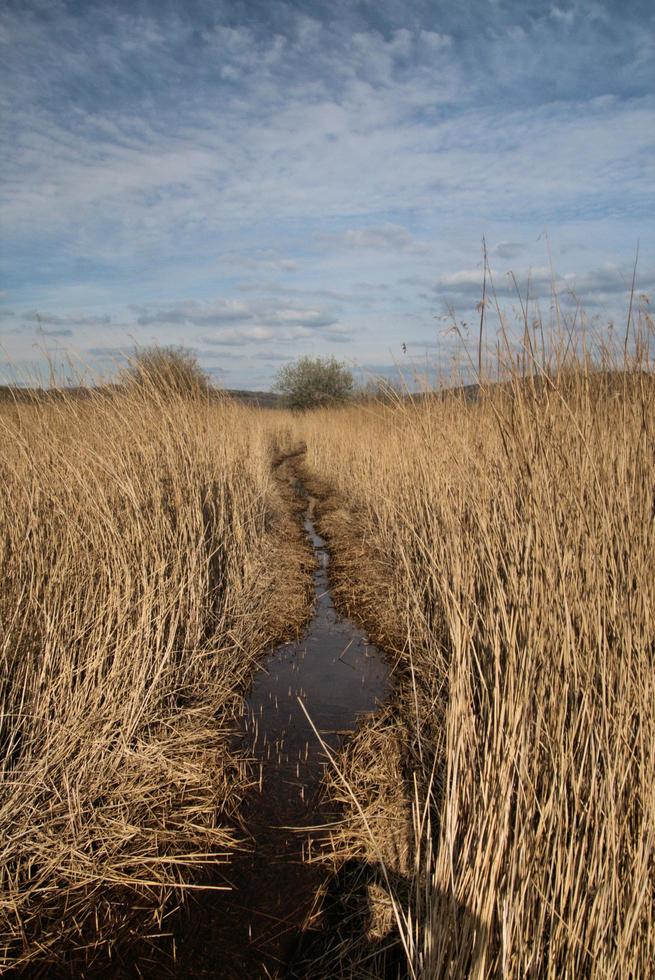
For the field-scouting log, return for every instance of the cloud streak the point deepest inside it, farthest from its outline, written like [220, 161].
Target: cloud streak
[271, 313]
[606, 281]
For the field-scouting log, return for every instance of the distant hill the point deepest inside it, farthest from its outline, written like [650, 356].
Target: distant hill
[612, 382]
[262, 399]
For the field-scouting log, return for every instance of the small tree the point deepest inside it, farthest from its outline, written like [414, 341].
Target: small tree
[314, 381]
[167, 370]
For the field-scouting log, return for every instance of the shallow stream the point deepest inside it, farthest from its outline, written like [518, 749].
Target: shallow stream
[339, 677]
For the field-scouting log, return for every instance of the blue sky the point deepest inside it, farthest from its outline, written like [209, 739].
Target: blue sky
[258, 181]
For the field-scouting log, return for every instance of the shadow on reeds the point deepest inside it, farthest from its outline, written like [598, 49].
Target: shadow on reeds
[357, 936]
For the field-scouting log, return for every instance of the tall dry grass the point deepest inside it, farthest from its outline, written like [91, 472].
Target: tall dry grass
[136, 533]
[510, 542]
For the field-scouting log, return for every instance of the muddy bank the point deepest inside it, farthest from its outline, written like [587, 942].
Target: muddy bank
[371, 850]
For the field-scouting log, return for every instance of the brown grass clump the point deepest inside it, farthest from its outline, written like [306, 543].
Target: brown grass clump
[136, 541]
[515, 534]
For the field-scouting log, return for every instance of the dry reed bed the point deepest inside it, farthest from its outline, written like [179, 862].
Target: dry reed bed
[136, 535]
[512, 542]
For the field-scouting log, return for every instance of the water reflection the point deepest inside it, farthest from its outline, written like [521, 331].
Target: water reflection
[339, 676]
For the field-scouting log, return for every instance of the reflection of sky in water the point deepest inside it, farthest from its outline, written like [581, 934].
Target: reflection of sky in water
[336, 673]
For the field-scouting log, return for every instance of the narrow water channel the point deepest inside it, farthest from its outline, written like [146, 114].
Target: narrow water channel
[339, 677]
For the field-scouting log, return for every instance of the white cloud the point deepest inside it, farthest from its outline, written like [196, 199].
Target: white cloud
[193, 312]
[268, 312]
[161, 155]
[465, 285]
[78, 319]
[238, 336]
[241, 336]
[386, 237]
[563, 16]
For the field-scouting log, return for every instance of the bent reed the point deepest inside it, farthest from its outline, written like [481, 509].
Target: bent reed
[500, 546]
[143, 547]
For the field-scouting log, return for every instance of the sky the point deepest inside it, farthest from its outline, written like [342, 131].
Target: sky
[258, 181]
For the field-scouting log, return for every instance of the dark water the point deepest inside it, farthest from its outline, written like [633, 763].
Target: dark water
[336, 674]
[252, 930]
